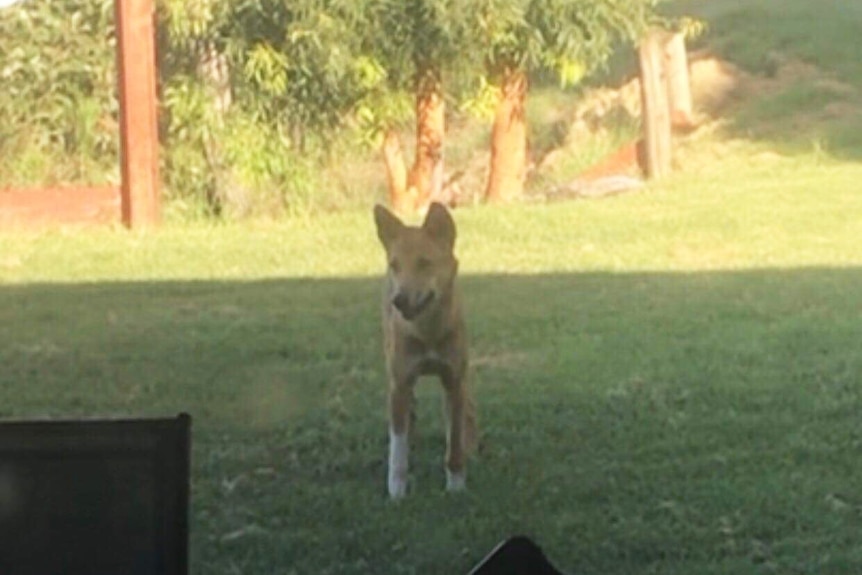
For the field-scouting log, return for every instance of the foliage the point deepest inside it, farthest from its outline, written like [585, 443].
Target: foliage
[416, 37]
[59, 98]
[482, 102]
[419, 46]
[293, 70]
[232, 165]
[294, 64]
[293, 80]
[569, 37]
[299, 61]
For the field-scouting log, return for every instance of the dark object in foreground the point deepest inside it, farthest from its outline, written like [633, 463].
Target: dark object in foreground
[94, 497]
[515, 556]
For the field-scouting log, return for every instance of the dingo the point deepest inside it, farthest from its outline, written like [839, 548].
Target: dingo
[424, 334]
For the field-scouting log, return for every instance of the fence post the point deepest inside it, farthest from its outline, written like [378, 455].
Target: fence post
[678, 83]
[655, 105]
[136, 65]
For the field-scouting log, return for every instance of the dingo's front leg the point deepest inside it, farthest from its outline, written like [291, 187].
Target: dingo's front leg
[400, 400]
[456, 413]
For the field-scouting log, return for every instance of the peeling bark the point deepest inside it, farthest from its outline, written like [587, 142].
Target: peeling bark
[426, 177]
[396, 173]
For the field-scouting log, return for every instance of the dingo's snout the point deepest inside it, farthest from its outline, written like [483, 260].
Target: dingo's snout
[411, 306]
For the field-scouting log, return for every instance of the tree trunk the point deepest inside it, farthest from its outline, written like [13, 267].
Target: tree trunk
[425, 181]
[396, 174]
[509, 141]
[214, 69]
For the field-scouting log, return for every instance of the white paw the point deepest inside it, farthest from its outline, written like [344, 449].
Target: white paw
[456, 481]
[397, 486]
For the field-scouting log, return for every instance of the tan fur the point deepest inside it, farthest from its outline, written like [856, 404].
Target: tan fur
[423, 325]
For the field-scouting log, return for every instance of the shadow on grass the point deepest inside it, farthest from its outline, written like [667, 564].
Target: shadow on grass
[638, 422]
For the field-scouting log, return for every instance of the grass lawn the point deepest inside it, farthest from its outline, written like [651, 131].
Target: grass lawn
[667, 382]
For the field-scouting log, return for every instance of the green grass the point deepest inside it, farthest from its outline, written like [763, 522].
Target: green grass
[751, 31]
[820, 107]
[667, 381]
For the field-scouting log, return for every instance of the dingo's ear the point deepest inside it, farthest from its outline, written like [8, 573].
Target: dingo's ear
[440, 225]
[388, 225]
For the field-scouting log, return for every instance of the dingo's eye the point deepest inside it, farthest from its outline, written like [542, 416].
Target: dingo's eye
[423, 264]
[394, 266]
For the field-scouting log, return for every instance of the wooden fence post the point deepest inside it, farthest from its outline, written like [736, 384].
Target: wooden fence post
[678, 83]
[656, 111]
[136, 64]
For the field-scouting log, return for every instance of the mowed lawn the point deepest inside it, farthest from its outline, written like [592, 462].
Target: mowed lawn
[668, 382]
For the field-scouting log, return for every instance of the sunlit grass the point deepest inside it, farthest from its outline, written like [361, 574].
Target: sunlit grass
[665, 379]
[752, 210]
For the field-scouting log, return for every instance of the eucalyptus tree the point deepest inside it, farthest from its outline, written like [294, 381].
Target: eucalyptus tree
[419, 43]
[570, 38]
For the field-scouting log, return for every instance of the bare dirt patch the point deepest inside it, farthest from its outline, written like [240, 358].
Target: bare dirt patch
[718, 89]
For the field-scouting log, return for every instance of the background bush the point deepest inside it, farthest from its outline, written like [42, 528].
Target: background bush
[267, 106]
